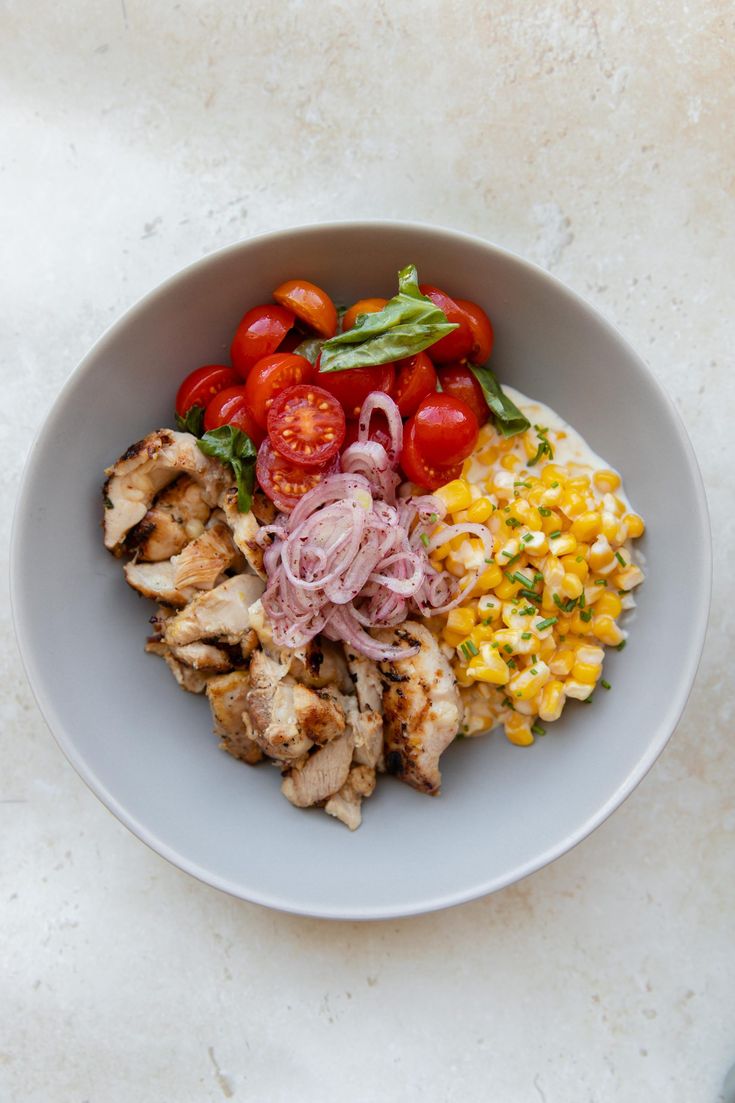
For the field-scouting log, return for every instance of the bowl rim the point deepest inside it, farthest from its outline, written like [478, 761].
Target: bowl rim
[665, 729]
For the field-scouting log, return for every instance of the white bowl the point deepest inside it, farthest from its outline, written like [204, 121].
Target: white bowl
[145, 747]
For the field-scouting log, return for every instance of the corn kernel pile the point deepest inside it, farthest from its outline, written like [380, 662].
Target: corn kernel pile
[532, 631]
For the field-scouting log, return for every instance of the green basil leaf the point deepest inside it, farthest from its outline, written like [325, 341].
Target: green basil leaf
[508, 417]
[310, 347]
[233, 447]
[192, 421]
[407, 324]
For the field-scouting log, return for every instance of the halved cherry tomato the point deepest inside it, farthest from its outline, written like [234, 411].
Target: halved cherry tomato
[306, 425]
[483, 337]
[352, 387]
[416, 378]
[456, 344]
[230, 407]
[259, 333]
[458, 380]
[379, 431]
[417, 469]
[446, 429]
[285, 482]
[269, 377]
[362, 306]
[201, 385]
[310, 304]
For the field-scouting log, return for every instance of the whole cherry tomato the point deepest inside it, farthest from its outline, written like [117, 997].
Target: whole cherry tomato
[417, 469]
[351, 387]
[456, 344]
[285, 482]
[446, 429]
[310, 304]
[306, 425]
[458, 380]
[201, 385]
[271, 375]
[259, 334]
[416, 378]
[230, 407]
[481, 327]
[362, 306]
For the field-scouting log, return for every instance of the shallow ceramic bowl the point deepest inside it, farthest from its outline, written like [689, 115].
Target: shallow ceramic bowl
[145, 747]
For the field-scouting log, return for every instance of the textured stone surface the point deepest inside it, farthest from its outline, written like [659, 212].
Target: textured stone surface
[598, 142]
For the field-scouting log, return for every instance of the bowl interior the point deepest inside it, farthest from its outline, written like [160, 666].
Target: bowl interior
[146, 748]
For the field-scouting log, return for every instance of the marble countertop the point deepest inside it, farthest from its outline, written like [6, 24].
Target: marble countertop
[597, 142]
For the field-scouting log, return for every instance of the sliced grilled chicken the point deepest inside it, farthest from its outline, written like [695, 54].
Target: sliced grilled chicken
[323, 774]
[287, 717]
[145, 469]
[346, 804]
[206, 558]
[321, 664]
[366, 714]
[227, 696]
[203, 656]
[193, 681]
[422, 710]
[244, 527]
[177, 516]
[221, 614]
[157, 581]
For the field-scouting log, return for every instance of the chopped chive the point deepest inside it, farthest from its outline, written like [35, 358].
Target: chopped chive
[534, 670]
[488, 560]
[581, 601]
[546, 623]
[554, 535]
[526, 635]
[620, 559]
[513, 559]
[538, 730]
[586, 616]
[530, 595]
[512, 523]
[554, 485]
[434, 517]
[511, 664]
[579, 559]
[622, 593]
[621, 645]
[521, 483]
[508, 703]
[561, 637]
[495, 644]
[487, 622]
[601, 582]
[465, 650]
[588, 700]
[508, 649]
[544, 511]
[558, 601]
[527, 582]
[533, 663]
[472, 648]
[605, 685]
[529, 611]
[527, 538]
[424, 539]
[506, 509]
[538, 577]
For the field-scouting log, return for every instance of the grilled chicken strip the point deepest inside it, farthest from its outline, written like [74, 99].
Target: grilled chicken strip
[323, 774]
[205, 559]
[288, 718]
[221, 613]
[177, 516]
[145, 469]
[193, 681]
[227, 696]
[365, 714]
[316, 664]
[157, 581]
[346, 804]
[203, 656]
[244, 528]
[421, 707]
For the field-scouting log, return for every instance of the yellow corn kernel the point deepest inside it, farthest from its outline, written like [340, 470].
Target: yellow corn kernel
[575, 564]
[552, 473]
[573, 504]
[608, 604]
[579, 690]
[482, 633]
[552, 700]
[586, 672]
[587, 525]
[456, 495]
[562, 662]
[502, 485]
[454, 639]
[612, 528]
[562, 545]
[513, 638]
[607, 631]
[601, 554]
[462, 675]
[479, 511]
[553, 572]
[551, 497]
[510, 461]
[606, 481]
[580, 483]
[571, 585]
[507, 589]
[524, 512]
[579, 626]
[491, 577]
[527, 683]
[628, 577]
[636, 525]
[461, 620]
[489, 666]
[487, 456]
[518, 730]
[534, 543]
[590, 653]
[553, 523]
[488, 607]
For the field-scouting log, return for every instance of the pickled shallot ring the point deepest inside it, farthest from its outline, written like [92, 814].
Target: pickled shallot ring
[378, 400]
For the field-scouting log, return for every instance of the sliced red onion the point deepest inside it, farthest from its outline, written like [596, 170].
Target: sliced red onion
[370, 459]
[379, 400]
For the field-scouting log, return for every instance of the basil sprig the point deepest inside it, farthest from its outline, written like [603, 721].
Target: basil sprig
[192, 421]
[310, 347]
[508, 417]
[232, 446]
[407, 324]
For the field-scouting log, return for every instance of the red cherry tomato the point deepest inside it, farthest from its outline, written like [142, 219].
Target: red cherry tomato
[458, 381]
[446, 429]
[269, 377]
[229, 407]
[416, 378]
[481, 328]
[456, 344]
[310, 304]
[379, 431]
[417, 469]
[201, 385]
[285, 482]
[362, 306]
[291, 341]
[352, 387]
[259, 334]
[306, 425]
